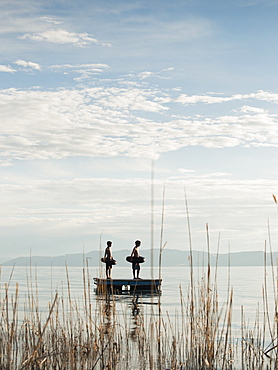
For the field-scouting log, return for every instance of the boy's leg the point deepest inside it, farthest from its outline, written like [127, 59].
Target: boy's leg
[108, 271]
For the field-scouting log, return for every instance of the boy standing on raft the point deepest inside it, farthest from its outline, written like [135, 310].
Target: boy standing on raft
[108, 261]
[136, 265]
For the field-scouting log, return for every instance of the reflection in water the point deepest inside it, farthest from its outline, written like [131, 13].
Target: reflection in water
[107, 346]
[136, 305]
[135, 327]
[109, 310]
[135, 302]
[137, 331]
[133, 323]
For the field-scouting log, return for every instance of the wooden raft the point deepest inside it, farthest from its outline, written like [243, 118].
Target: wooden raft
[128, 284]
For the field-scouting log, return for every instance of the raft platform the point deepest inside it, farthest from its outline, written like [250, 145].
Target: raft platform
[125, 285]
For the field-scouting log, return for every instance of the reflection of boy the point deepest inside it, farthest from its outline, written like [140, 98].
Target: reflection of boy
[136, 265]
[108, 261]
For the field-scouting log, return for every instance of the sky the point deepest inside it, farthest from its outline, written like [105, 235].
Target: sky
[116, 114]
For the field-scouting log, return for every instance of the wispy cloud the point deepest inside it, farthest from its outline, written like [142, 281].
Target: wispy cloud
[95, 67]
[207, 99]
[61, 36]
[184, 170]
[210, 99]
[50, 19]
[248, 109]
[25, 64]
[147, 74]
[84, 71]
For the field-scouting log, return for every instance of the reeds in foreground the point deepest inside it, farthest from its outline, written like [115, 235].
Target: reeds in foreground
[98, 334]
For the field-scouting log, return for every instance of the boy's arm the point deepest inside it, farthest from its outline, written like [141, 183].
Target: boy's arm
[132, 253]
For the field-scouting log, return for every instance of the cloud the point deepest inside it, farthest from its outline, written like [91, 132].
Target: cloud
[7, 69]
[61, 36]
[65, 208]
[184, 170]
[94, 67]
[148, 74]
[131, 99]
[248, 109]
[111, 122]
[168, 69]
[145, 74]
[45, 205]
[84, 71]
[209, 99]
[28, 64]
[89, 122]
[51, 20]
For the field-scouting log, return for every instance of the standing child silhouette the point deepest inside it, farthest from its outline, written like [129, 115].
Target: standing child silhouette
[109, 258]
[136, 265]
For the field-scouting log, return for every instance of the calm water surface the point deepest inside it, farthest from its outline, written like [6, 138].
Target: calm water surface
[44, 282]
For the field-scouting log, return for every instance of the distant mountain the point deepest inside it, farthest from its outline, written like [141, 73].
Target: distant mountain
[170, 257]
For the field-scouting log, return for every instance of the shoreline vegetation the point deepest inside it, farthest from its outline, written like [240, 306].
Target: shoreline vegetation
[95, 334]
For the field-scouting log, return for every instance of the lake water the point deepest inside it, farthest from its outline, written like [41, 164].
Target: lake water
[44, 282]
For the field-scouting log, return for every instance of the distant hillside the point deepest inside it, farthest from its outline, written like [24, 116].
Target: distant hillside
[170, 257]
